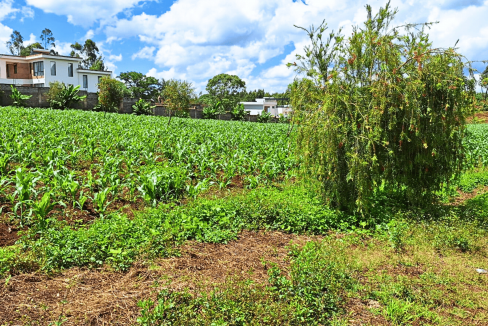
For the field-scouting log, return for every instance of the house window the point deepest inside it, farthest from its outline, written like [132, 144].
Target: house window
[85, 81]
[15, 69]
[39, 68]
[70, 70]
[8, 72]
[53, 68]
[99, 79]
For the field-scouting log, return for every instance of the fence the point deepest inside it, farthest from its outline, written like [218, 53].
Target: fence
[38, 99]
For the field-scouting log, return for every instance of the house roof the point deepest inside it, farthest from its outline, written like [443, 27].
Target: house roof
[39, 55]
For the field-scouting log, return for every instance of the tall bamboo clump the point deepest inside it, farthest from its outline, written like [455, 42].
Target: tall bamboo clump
[381, 108]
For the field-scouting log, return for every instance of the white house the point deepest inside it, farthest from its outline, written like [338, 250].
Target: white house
[41, 68]
[267, 104]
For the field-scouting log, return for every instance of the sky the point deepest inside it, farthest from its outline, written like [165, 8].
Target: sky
[254, 39]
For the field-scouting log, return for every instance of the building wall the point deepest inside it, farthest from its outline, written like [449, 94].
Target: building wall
[92, 80]
[61, 72]
[23, 71]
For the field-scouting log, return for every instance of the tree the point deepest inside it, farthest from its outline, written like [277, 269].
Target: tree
[226, 88]
[484, 81]
[177, 95]
[383, 108]
[76, 50]
[140, 85]
[110, 94]
[48, 39]
[16, 43]
[28, 49]
[90, 53]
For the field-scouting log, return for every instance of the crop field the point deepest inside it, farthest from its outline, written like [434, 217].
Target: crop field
[126, 220]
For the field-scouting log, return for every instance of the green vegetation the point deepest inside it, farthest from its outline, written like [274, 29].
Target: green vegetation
[18, 99]
[386, 109]
[62, 97]
[110, 94]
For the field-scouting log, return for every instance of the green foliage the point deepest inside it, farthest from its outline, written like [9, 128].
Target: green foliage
[16, 43]
[225, 89]
[141, 86]
[142, 107]
[163, 184]
[213, 109]
[177, 95]
[61, 97]
[27, 50]
[89, 52]
[18, 99]
[48, 38]
[386, 109]
[239, 112]
[476, 146]
[470, 181]
[265, 117]
[110, 94]
[311, 296]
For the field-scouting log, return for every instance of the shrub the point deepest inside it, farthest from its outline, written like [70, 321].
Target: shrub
[110, 94]
[61, 97]
[239, 112]
[17, 98]
[142, 107]
[385, 108]
[177, 95]
[265, 117]
[213, 109]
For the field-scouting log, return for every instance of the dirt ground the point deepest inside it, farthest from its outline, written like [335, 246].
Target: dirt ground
[104, 297]
[481, 117]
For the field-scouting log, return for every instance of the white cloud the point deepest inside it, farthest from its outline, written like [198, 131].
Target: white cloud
[63, 48]
[115, 58]
[5, 32]
[84, 12]
[89, 34]
[146, 52]
[6, 9]
[26, 12]
[32, 39]
[197, 39]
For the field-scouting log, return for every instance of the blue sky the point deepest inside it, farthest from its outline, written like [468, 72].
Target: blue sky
[196, 40]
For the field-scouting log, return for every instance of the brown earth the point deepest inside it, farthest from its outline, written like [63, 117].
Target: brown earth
[104, 297]
[482, 117]
[8, 235]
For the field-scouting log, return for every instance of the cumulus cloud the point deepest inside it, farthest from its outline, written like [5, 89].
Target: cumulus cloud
[6, 9]
[146, 52]
[84, 12]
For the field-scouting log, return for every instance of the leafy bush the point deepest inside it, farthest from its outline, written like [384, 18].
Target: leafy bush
[177, 95]
[142, 107]
[62, 97]
[239, 112]
[265, 117]
[283, 119]
[387, 109]
[17, 98]
[213, 109]
[110, 94]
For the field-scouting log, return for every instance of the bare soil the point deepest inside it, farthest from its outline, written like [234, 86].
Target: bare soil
[104, 297]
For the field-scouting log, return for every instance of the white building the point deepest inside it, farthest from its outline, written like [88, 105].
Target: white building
[41, 68]
[267, 104]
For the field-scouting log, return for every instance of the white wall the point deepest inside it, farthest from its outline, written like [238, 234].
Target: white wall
[61, 72]
[92, 80]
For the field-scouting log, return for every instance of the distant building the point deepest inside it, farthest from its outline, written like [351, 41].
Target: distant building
[267, 104]
[41, 68]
